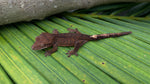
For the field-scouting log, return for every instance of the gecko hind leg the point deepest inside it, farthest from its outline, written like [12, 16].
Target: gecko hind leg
[55, 31]
[73, 30]
[78, 44]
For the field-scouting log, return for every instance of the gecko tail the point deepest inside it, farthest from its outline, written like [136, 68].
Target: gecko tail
[102, 36]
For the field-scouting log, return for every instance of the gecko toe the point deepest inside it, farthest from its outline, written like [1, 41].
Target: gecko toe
[47, 54]
[69, 55]
[76, 54]
[71, 52]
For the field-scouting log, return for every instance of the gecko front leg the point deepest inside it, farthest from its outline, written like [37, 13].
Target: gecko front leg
[49, 52]
[78, 44]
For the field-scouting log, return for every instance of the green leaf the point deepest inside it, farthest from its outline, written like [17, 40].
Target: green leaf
[110, 61]
[4, 78]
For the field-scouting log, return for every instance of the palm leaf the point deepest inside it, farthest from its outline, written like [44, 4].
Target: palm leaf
[114, 60]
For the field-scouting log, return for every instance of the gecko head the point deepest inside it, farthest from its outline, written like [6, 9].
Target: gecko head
[43, 41]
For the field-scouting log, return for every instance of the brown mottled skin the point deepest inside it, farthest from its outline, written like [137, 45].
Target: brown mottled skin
[74, 38]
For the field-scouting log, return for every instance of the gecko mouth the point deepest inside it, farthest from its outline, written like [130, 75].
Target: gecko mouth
[34, 48]
[44, 47]
[40, 48]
